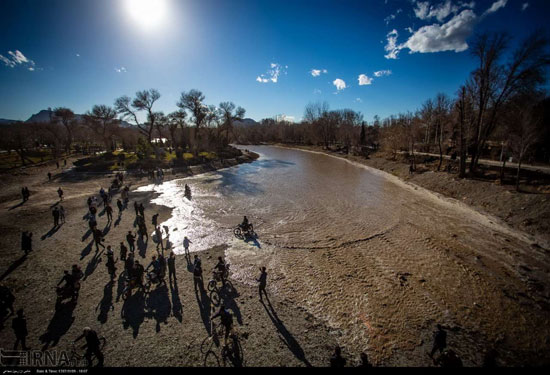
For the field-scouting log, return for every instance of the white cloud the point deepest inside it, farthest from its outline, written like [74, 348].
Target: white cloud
[339, 83]
[358, 100]
[17, 58]
[524, 6]
[441, 11]
[389, 18]
[364, 80]
[78, 55]
[450, 36]
[391, 47]
[496, 6]
[121, 70]
[272, 74]
[409, 29]
[382, 73]
[317, 72]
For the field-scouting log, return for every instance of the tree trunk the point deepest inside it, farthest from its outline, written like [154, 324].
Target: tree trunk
[440, 149]
[517, 175]
[502, 171]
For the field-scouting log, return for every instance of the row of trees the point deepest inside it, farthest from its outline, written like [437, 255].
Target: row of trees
[501, 104]
[194, 126]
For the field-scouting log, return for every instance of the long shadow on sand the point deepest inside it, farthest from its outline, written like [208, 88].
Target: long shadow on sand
[177, 308]
[86, 250]
[158, 305]
[51, 232]
[13, 267]
[205, 304]
[59, 324]
[228, 295]
[92, 264]
[106, 303]
[285, 336]
[142, 246]
[17, 205]
[133, 312]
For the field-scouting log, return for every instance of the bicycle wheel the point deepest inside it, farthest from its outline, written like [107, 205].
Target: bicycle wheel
[102, 342]
[211, 359]
[211, 285]
[215, 298]
[206, 344]
[237, 232]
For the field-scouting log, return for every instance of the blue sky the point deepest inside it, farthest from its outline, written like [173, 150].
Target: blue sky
[258, 54]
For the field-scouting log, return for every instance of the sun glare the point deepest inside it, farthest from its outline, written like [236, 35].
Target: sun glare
[148, 14]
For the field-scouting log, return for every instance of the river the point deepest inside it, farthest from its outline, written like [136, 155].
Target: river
[379, 260]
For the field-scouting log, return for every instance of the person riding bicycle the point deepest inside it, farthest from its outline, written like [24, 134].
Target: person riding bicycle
[92, 346]
[137, 273]
[226, 320]
[157, 267]
[220, 268]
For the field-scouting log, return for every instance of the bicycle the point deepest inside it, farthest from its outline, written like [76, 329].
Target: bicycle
[78, 353]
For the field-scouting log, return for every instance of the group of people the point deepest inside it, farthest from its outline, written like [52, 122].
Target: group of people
[155, 174]
[58, 214]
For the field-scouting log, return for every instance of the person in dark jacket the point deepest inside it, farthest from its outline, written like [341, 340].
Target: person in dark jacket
[263, 282]
[92, 346]
[19, 325]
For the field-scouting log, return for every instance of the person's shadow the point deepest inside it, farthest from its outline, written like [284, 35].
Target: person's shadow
[17, 205]
[13, 266]
[133, 312]
[117, 222]
[158, 305]
[228, 296]
[59, 324]
[52, 231]
[106, 303]
[254, 241]
[204, 303]
[86, 250]
[142, 246]
[285, 336]
[177, 308]
[92, 264]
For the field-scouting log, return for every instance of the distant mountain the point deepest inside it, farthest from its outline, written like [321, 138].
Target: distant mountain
[44, 116]
[245, 122]
[4, 121]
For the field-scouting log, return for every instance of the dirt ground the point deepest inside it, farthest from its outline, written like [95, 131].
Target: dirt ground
[167, 326]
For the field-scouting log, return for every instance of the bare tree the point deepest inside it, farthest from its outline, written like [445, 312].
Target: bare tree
[176, 120]
[67, 119]
[102, 121]
[228, 116]
[143, 101]
[493, 83]
[193, 102]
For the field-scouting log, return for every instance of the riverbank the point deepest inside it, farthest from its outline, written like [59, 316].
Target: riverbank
[163, 328]
[527, 211]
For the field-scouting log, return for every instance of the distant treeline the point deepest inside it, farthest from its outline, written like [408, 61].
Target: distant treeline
[501, 111]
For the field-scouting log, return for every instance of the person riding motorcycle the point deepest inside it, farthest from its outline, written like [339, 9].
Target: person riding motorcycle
[245, 224]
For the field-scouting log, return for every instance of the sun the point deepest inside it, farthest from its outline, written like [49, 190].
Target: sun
[147, 14]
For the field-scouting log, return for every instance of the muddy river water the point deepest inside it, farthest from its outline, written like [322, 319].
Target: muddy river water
[380, 261]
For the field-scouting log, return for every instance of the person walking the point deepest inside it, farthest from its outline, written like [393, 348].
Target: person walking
[131, 238]
[98, 237]
[141, 210]
[123, 251]
[158, 233]
[119, 205]
[49, 176]
[60, 193]
[111, 262]
[19, 325]
[26, 242]
[172, 267]
[23, 194]
[263, 283]
[109, 211]
[62, 214]
[155, 219]
[136, 208]
[92, 346]
[186, 243]
[55, 214]
[27, 193]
